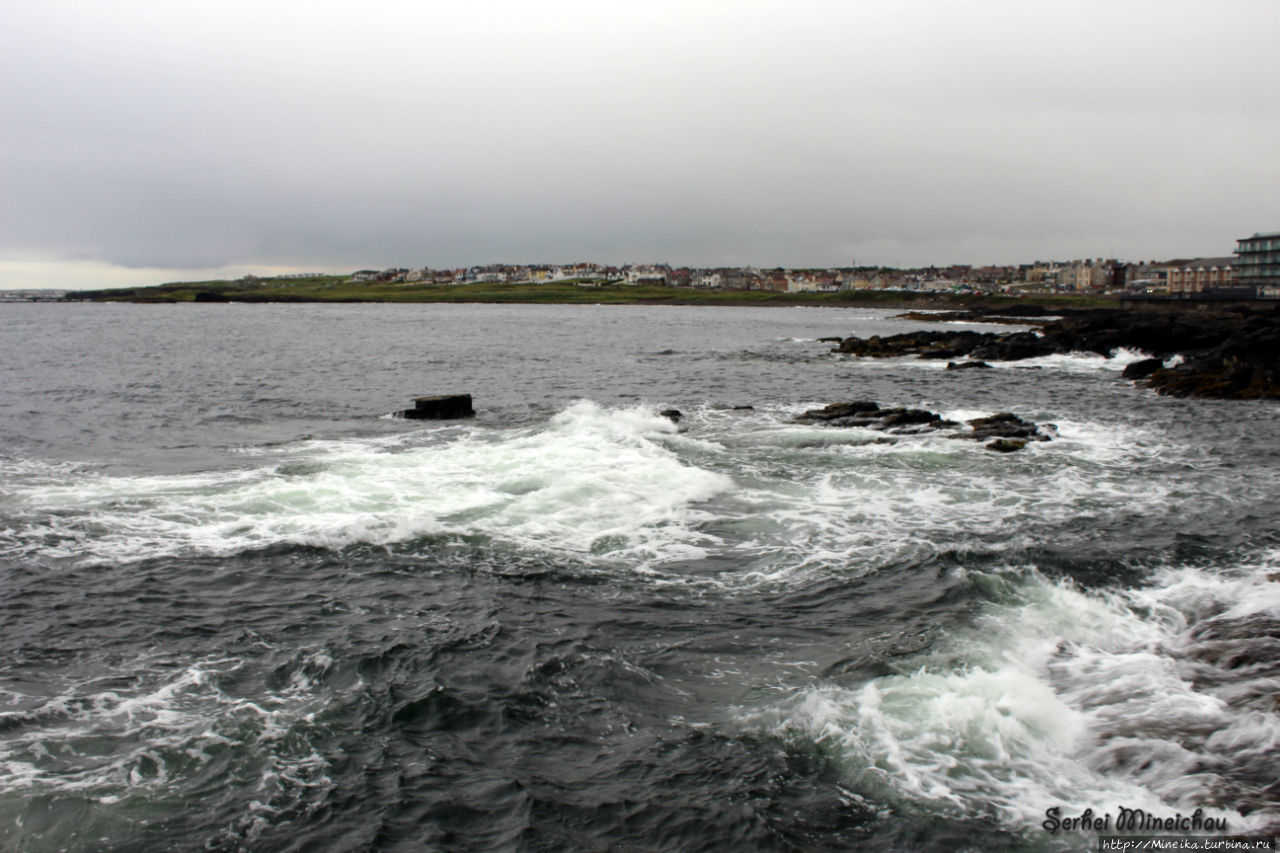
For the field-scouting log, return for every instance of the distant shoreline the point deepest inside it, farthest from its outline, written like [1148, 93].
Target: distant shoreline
[1229, 355]
[338, 290]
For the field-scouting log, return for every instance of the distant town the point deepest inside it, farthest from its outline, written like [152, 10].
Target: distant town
[1252, 271]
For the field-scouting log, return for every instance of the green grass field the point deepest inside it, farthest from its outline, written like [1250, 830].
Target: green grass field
[338, 289]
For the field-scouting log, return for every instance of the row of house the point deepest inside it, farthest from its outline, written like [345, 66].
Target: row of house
[1180, 276]
[487, 273]
[1254, 269]
[32, 295]
[722, 278]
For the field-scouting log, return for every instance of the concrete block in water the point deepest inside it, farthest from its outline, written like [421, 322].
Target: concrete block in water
[441, 408]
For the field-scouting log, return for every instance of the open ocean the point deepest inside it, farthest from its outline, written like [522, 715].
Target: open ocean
[244, 608]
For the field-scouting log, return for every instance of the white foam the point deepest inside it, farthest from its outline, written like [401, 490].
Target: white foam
[1069, 362]
[100, 742]
[768, 499]
[591, 479]
[1196, 593]
[1077, 362]
[845, 500]
[1057, 698]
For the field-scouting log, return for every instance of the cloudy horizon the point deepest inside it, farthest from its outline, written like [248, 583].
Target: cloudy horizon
[147, 141]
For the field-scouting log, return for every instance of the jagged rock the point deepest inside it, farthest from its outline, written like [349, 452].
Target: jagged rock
[1004, 427]
[1007, 445]
[1015, 347]
[1231, 354]
[865, 413]
[949, 344]
[1142, 369]
[839, 410]
[968, 365]
[1219, 379]
[909, 417]
[442, 407]
[1243, 365]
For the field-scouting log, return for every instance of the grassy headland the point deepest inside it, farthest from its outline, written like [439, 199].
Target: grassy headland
[340, 289]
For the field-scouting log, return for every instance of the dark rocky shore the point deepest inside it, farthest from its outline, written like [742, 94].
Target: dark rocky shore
[1223, 355]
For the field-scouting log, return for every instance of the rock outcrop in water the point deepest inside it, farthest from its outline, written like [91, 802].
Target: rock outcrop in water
[1008, 432]
[923, 344]
[1142, 369]
[864, 413]
[1231, 355]
[1243, 364]
[1005, 431]
[441, 408]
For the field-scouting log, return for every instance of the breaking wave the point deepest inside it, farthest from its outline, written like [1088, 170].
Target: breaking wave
[1157, 698]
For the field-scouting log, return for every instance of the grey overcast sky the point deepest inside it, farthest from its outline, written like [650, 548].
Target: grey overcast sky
[150, 141]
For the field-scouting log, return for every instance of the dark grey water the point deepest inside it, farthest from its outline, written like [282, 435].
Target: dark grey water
[243, 608]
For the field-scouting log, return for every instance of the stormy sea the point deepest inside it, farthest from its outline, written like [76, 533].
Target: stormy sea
[243, 606]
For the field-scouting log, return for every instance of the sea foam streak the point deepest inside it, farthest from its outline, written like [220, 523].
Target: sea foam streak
[1068, 362]
[106, 740]
[852, 501]
[767, 498]
[1063, 698]
[593, 480]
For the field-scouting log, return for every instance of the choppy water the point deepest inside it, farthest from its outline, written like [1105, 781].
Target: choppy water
[243, 608]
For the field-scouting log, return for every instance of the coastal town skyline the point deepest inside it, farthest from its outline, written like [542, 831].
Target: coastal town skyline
[1178, 277]
[1220, 276]
[1186, 273]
